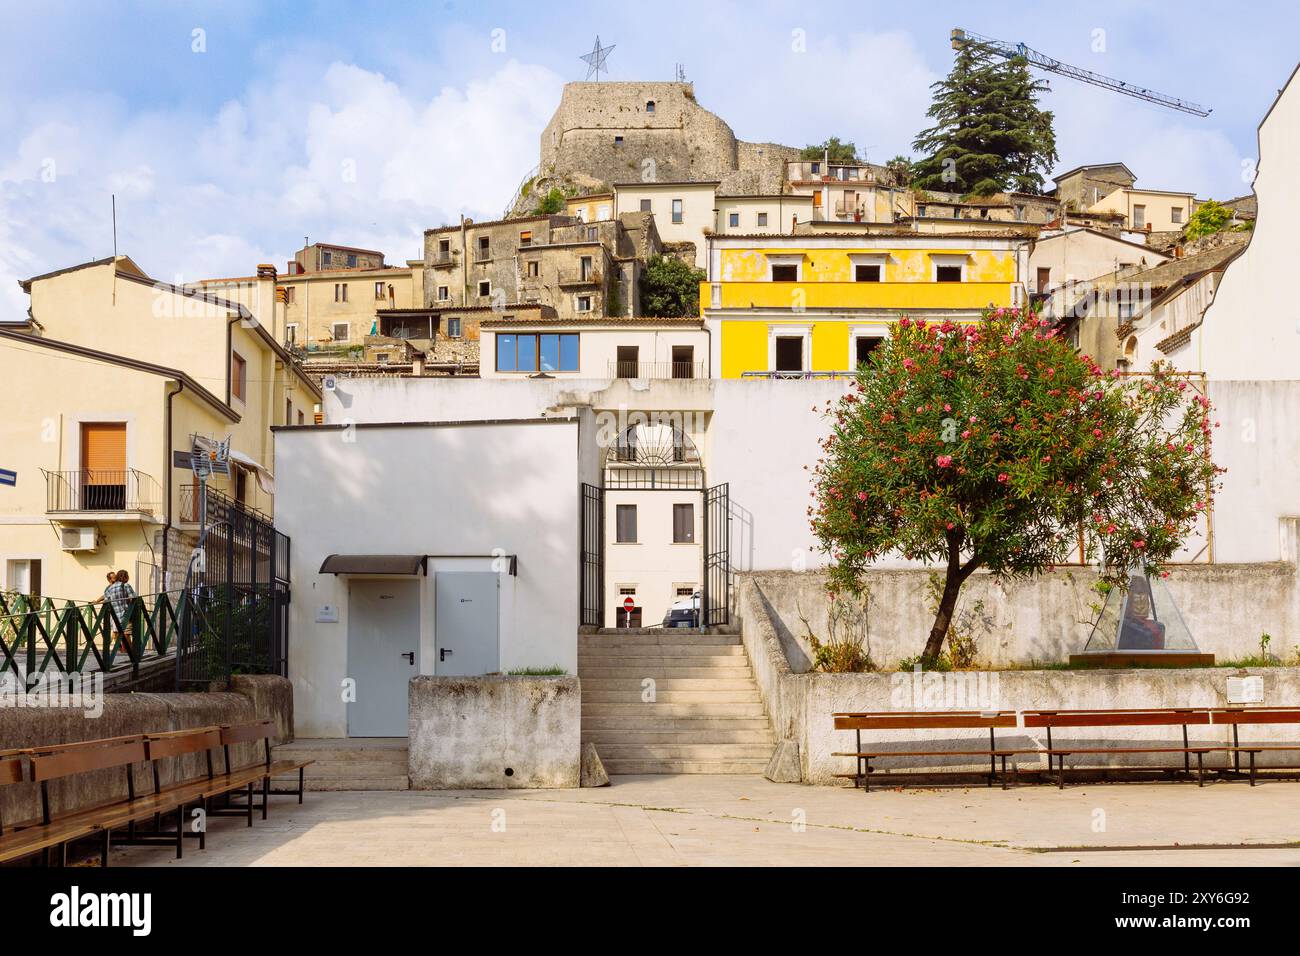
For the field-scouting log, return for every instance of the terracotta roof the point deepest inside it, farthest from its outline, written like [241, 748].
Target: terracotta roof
[1177, 340]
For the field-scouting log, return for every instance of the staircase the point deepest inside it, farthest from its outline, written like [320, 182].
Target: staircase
[706, 715]
[348, 763]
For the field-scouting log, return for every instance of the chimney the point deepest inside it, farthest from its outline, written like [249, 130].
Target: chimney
[1178, 251]
[263, 305]
[794, 221]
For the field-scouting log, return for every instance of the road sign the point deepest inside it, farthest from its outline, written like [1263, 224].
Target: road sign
[628, 604]
[8, 477]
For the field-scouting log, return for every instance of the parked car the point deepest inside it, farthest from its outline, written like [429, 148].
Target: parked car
[684, 613]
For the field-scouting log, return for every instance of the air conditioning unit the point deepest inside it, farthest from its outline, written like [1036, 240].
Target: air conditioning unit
[78, 539]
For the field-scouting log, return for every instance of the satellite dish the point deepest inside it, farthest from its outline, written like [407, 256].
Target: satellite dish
[328, 383]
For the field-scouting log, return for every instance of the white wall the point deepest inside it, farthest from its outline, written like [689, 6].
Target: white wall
[598, 350]
[437, 490]
[1077, 255]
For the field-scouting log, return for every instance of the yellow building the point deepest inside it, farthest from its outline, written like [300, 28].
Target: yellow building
[105, 384]
[790, 305]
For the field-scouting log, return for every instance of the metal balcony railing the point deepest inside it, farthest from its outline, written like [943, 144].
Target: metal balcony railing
[802, 376]
[98, 490]
[656, 369]
[440, 259]
[580, 277]
[482, 255]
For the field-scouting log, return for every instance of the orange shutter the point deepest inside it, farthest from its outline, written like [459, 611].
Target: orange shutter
[103, 452]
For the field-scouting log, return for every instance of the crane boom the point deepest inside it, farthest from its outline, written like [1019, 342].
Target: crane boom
[1045, 62]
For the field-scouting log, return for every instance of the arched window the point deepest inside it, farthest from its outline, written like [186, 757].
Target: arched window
[653, 454]
[649, 106]
[1131, 348]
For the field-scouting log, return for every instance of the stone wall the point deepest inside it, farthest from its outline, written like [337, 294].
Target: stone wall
[494, 733]
[801, 705]
[247, 698]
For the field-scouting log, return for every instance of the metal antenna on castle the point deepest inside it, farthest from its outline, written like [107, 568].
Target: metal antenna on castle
[681, 73]
[596, 59]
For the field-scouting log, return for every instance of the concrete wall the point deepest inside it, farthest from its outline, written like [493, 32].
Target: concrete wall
[249, 698]
[801, 704]
[435, 490]
[494, 732]
[1226, 608]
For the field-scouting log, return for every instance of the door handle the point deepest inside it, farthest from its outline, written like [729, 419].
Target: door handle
[443, 653]
[410, 657]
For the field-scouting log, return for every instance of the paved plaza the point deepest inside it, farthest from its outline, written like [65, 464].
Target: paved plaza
[701, 820]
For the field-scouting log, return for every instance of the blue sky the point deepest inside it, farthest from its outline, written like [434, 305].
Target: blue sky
[366, 124]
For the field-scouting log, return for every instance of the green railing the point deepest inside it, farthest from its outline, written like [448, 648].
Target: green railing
[74, 637]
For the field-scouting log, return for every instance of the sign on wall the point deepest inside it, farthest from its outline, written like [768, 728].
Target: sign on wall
[8, 477]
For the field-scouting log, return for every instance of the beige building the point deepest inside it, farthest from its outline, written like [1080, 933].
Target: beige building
[517, 347]
[1084, 186]
[750, 215]
[109, 379]
[327, 257]
[1063, 258]
[848, 192]
[1152, 210]
[683, 212]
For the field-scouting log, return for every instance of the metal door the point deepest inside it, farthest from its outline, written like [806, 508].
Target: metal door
[717, 557]
[383, 654]
[465, 628]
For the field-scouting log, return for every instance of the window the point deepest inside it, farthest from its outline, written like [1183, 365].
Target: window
[238, 376]
[582, 303]
[618, 140]
[602, 212]
[593, 234]
[866, 273]
[645, 205]
[484, 248]
[485, 288]
[526, 237]
[920, 212]
[1020, 214]
[444, 249]
[625, 524]
[325, 258]
[23, 575]
[677, 210]
[789, 354]
[863, 346]
[1044, 278]
[785, 273]
[382, 358]
[352, 261]
[817, 199]
[453, 328]
[683, 361]
[733, 219]
[1139, 217]
[443, 293]
[626, 361]
[558, 352]
[340, 331]
[340, 292]
[288, 411]
[684, 524]
[650, 106]
[289, 294]
[816, 169]
[534, 268]
[379, 290]
[947, 273]
[1176, 214]
[584, 267]
[762, 219]
[291, 333]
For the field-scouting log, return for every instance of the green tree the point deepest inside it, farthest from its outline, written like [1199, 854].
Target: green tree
[989, 135]
[993, 445]
[900, 168]
[670, 288]
[550, 204]
[1210, 217]
[832, 150]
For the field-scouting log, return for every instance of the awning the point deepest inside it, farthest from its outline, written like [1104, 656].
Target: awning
[265, 480]
[374, 564]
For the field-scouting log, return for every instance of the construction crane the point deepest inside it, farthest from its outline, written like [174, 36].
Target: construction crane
[1045, 62]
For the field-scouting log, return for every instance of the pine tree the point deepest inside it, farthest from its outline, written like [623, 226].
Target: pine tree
[989, 135]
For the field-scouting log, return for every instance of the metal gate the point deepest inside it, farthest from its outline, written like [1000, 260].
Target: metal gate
[716, 603]
[235, 617]
[591, 573]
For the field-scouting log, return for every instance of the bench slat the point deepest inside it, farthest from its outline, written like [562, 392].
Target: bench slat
[91, 755]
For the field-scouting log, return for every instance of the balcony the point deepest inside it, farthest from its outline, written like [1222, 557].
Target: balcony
[441, 260]
[805, 376]
[830, 296]
[656, 369]
[581, 277]
[104, 495]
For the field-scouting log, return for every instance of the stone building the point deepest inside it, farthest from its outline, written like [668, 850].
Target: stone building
[1085, 186]
[324, 256]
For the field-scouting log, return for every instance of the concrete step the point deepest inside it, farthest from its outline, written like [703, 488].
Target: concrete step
[724, 630]
[588, 664]
[672, 696]
[598, 709]
[654, 638]
[618, 738]
[616, 767]
[348, 763]
[669, 683]
[660, 673]
[331, 783]
[664, 724]
[683, 751]
[593, 651]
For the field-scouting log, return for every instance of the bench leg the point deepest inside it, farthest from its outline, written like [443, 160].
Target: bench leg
[180, 831]
[103, 847]
[1004, 771]
[1200, 769]
[63, 856]
[1060, 780]
[300, 779]
[203, 833]
[1252, 768]
[266, 794]
[250, 803]
[866, 776]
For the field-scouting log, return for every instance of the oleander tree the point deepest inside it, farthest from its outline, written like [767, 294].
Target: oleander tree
[996, 445]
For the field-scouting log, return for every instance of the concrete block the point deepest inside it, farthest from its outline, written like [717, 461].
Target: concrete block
[494, 732]
[593, 771]
[784, 766]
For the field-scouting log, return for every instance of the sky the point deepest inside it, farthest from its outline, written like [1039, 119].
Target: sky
[230, 131]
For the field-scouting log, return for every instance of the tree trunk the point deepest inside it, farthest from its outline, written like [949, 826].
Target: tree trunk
[954, 578]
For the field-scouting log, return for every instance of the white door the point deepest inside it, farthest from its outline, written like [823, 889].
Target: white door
[383, 654]
[465, 629]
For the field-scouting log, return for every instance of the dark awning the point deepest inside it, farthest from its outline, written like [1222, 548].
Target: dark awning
[374, 564]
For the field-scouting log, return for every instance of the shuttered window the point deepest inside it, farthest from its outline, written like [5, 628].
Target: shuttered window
[684, 524]
[103, 450]
[238, 376]
[625, 523]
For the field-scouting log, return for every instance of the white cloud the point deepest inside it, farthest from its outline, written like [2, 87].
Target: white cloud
[332, 151]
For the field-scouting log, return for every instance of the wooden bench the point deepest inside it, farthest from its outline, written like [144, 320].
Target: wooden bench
[926, 720]
[1238, 717]
[61, 761]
